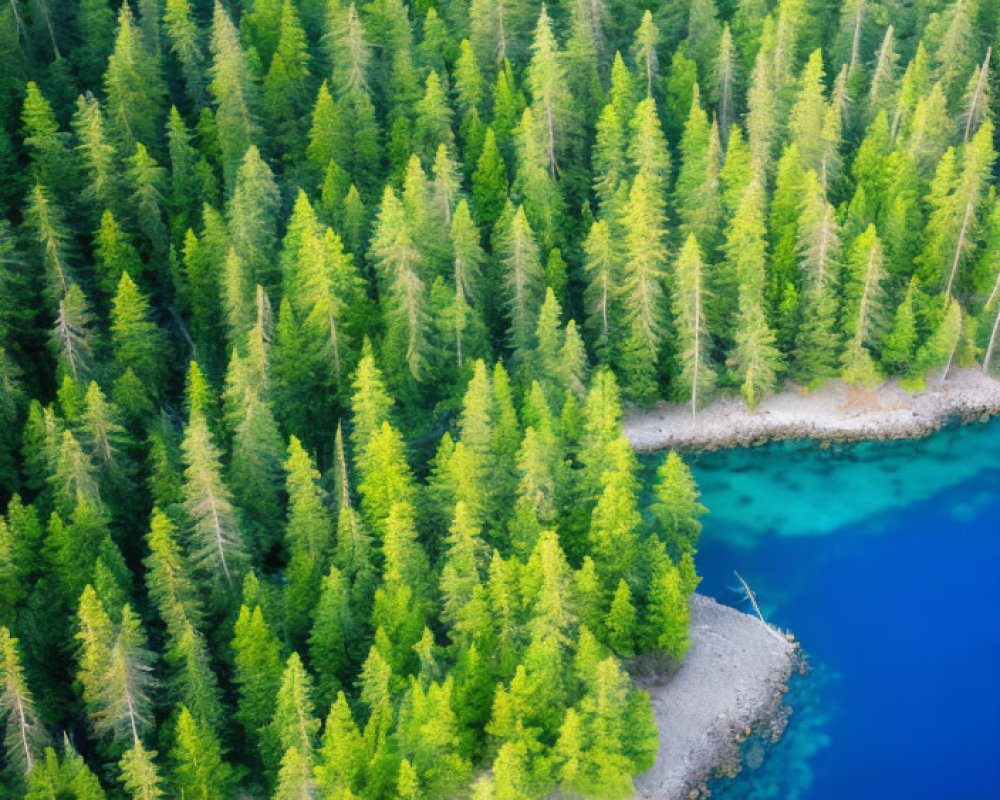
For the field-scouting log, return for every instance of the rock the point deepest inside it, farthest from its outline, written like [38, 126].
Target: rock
[834, 412]
[726, 685]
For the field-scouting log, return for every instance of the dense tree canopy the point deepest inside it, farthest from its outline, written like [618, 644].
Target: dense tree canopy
[316, 322]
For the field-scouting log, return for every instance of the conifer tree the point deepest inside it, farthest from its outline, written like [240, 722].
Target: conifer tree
[137, 342]
[498, 29]
[252, 217]
[940, 348]
[139, 774]
[549, 95]
[72, 337]
[467, 277]
[218, 548]
[286, 85]
[955, 201]
[697, 377]
[432, 126]
[48, 234]
[465, 605]
[398, 261]
[642, 298]
[133, 85]
[819, 262]
[147, 199]
[295, 780]
[864, 312]
[342, 753]
[234, 93]
[644, 48]
[676, 507]
[184, 37]
[668, 612]
[308, 537]
[489, 182]
[755, 359]
[293, 724]
[602, 265]
[522, 280]
[46, 144]
[199, 770]
[898, 347]
[621, 621]
[24, 734]
[95, 26]
[697, 192]
[115, 670]
[115, 254]
[333, 630]
[257, 672]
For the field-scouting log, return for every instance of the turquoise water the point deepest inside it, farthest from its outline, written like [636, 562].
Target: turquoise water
[884, 560]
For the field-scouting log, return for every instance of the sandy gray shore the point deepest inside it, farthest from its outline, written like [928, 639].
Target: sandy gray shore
[834, 412]
[729, 681]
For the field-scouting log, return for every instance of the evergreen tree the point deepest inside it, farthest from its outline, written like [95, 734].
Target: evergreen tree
[137, 342]
[645, 255]
[697, 376]
[139, 774]
[308, 538]
[133, 85]
[185, 43]
[198, 770]
[549, 96]
[286, 85]
[293, 724]
[755, 359]
[24, 734]
[523, 281]
[676, 507]
[342, 753]
[218, 548]
[257, 672]
[819, 260]
[234, 93]
[603, 268]
[252, 217]
[864, 313]
[489, 182]
[898, 347]
[398, 261]
[333, 628]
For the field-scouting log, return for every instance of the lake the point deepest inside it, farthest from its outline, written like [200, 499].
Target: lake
[884, 560]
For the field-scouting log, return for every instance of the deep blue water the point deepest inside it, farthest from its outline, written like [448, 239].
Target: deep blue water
[884, 560]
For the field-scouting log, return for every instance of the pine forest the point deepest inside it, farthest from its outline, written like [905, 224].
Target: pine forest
[317, 321]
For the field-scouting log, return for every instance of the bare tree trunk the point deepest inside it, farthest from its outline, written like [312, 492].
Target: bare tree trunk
[44, 6]
[958, 251]
[697, 347]
[977, 94]
[996, 325]
[753, 599]
[855, 45]
[951, 355]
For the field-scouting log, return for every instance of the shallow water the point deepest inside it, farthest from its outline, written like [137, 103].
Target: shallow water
[884, 560]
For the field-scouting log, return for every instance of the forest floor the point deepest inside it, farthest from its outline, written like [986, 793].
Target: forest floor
[834, 412]
[731, 681]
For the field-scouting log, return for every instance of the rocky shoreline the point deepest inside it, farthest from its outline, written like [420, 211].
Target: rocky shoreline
[836, 412]
[732, 683]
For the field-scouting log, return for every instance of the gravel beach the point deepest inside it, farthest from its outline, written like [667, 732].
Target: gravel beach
[834, 412]
[729, 681]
